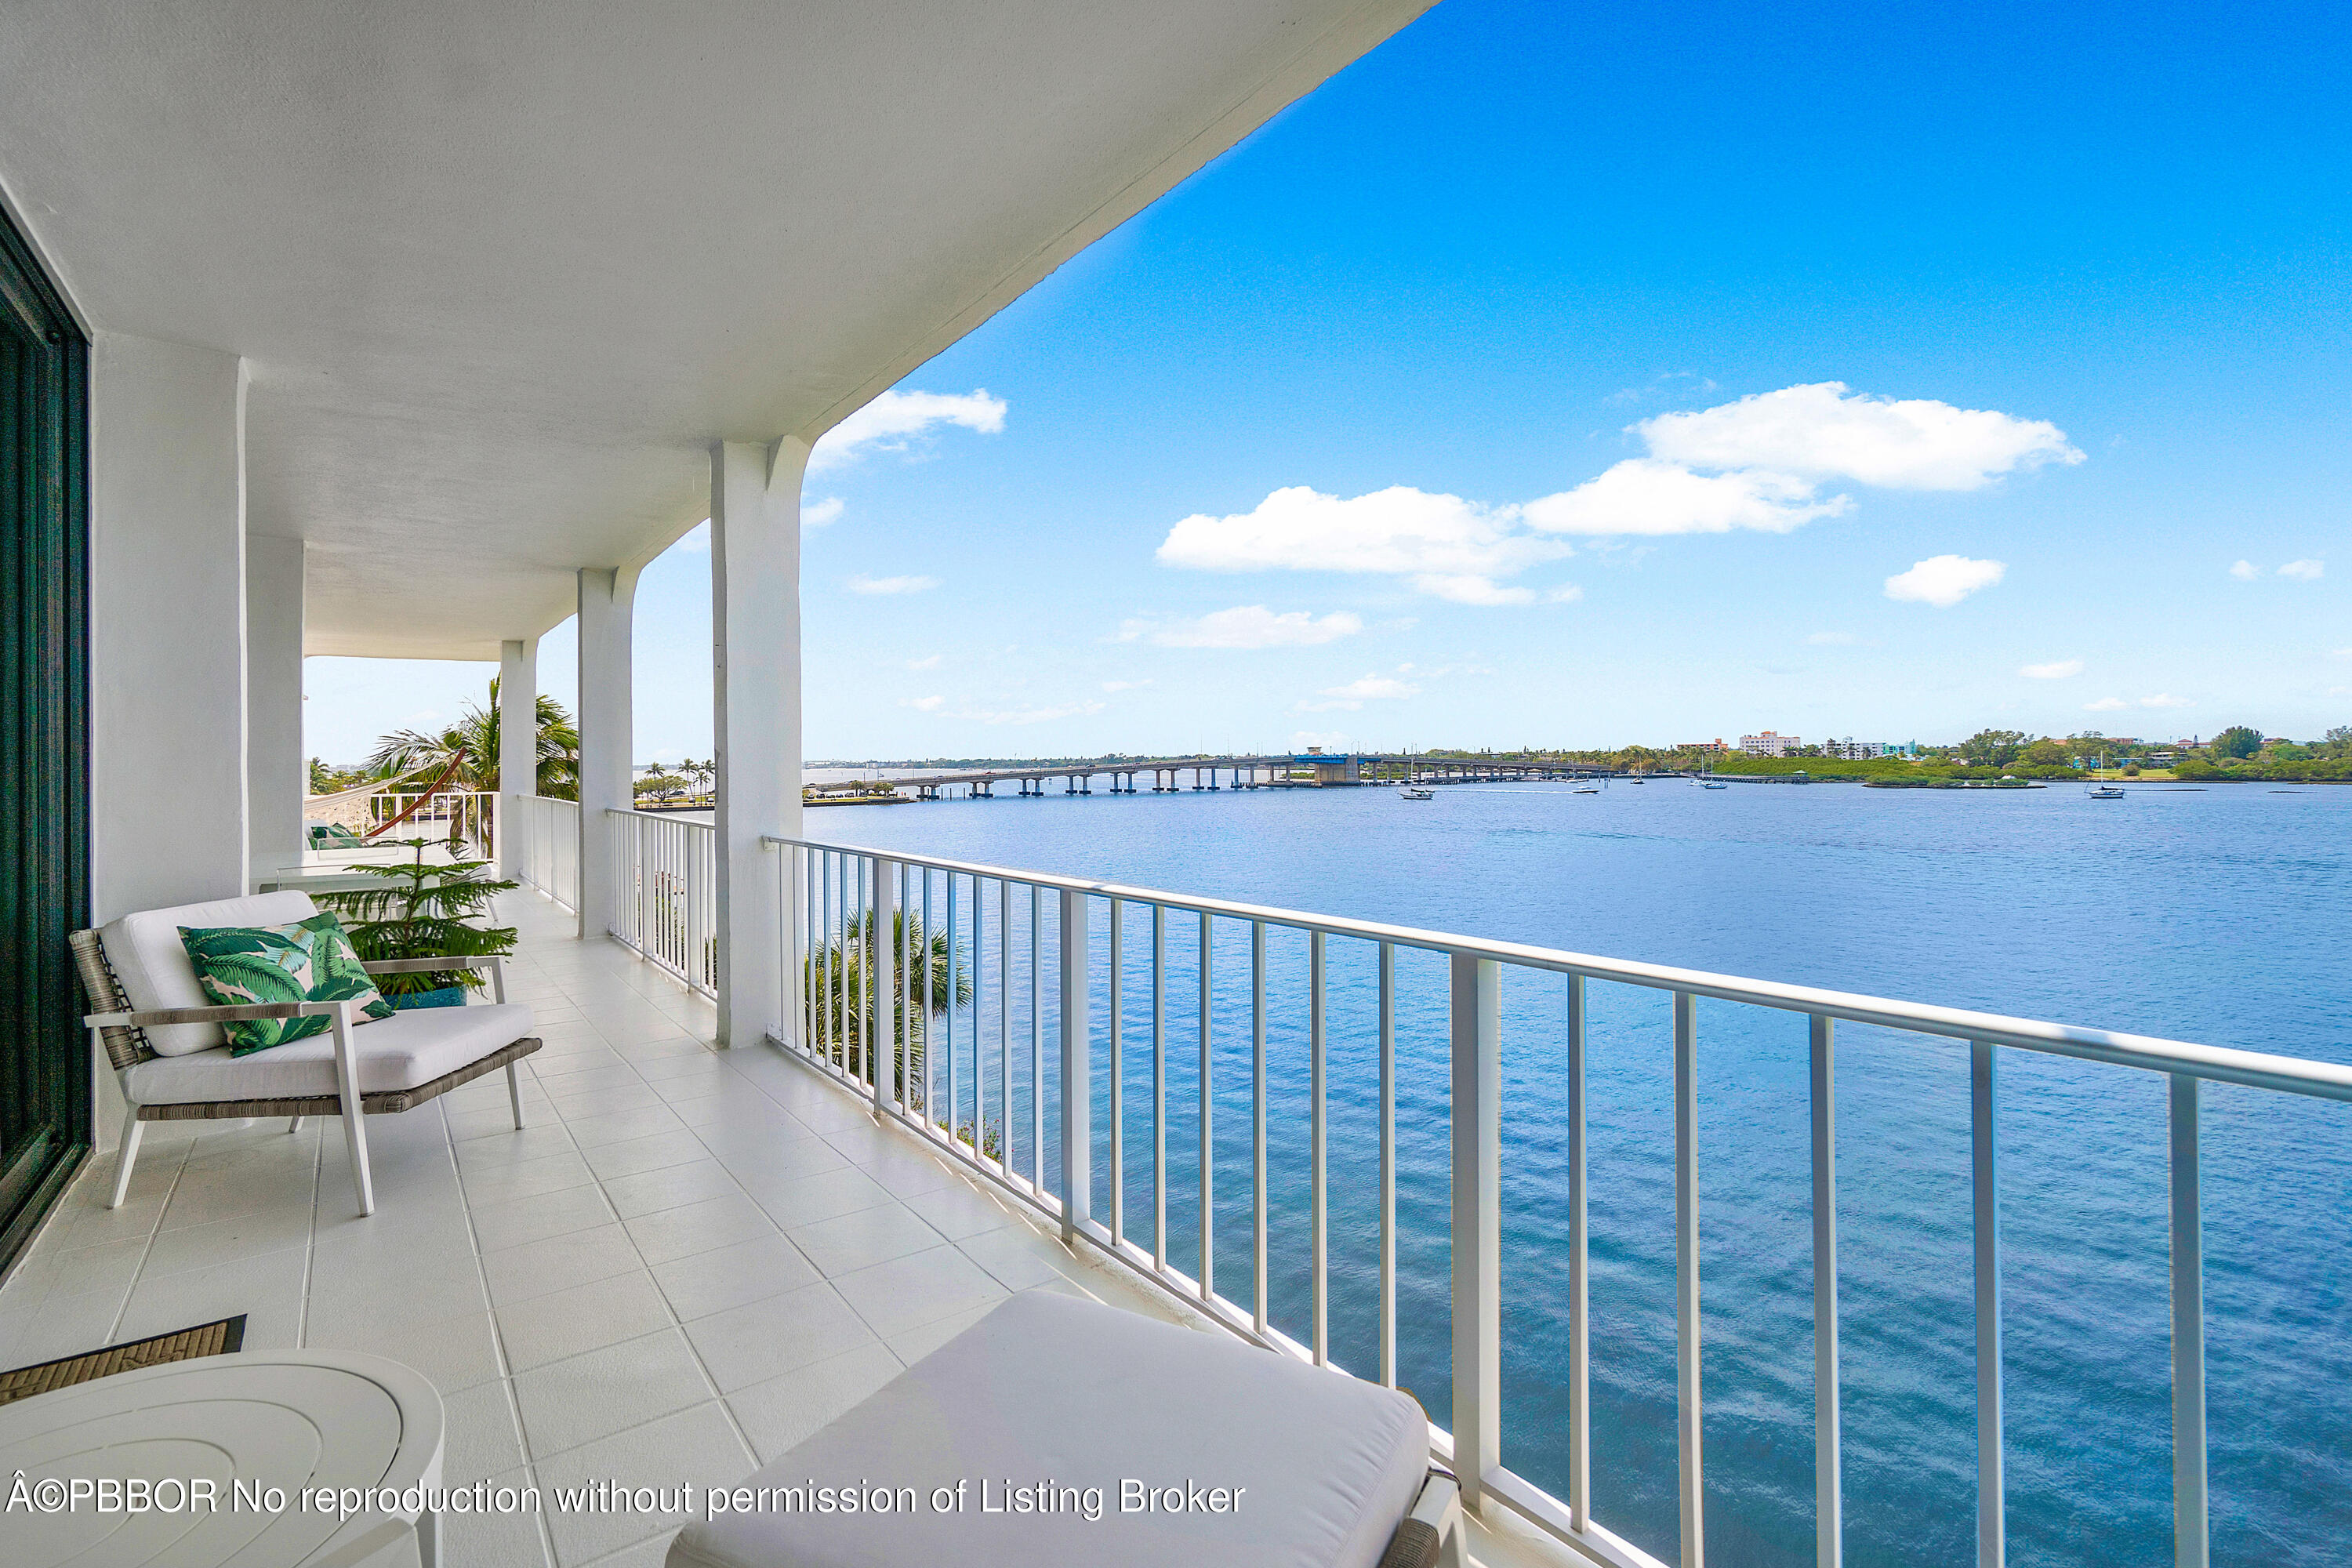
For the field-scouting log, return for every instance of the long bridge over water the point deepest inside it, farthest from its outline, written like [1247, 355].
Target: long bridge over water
[1310, 770]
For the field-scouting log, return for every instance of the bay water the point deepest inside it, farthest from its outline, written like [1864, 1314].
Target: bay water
[2218, 915]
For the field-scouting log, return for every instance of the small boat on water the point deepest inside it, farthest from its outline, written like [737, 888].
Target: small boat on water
[1413, 794]
[1585, 789]
[2104, 792]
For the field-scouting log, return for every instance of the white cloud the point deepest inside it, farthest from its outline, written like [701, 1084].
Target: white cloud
[818, 513]
[1399, 530]
[1246, 626]
[1029, 715]
[1356, 693]
[1124, 685]
[1824, 431]
[2117, 704]
[932, 662]
[1471, 590]
[2245, 570]
[1565, 594]
[2058, 669]
[1944, 581]
[2303, 570]
[894, 420]
[923, 704]
[695, 541]
[1758, 463]
[1642, 494]
[861, 583]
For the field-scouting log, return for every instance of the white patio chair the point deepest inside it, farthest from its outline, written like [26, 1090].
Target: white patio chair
[163, 1036]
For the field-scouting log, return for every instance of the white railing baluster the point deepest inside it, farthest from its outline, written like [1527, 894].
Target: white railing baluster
[881, 961]
[1580, 1273]
[1257, 1125]
[919, 1013]
[1388, 1167]
[1477, 1012]
[1829, 1496]
[1117, 1090]
[1159, 1087]
[1078, 1064]
[2191, 1540]
[1004, 1024]
[1984, 1169]
[1036, 1045]
[1318, 1199]
[1689, 1427]
[955, 989]
[1208, 1135]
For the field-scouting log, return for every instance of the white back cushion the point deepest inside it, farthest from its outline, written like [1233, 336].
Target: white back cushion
[147, 953]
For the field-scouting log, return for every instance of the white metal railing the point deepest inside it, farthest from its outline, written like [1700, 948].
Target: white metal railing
[665, 893]
[467, 818]
[942, 918]
[547, 846]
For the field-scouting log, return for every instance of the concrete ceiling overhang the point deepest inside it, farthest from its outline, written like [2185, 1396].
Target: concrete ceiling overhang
[504, 270]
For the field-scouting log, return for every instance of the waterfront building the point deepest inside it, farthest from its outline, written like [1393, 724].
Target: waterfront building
[1770, 745]
[1854, 751]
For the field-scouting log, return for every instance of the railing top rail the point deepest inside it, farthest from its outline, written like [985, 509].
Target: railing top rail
[2289, 1075]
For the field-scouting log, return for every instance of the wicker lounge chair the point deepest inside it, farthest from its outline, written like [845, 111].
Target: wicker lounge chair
[169, 1054]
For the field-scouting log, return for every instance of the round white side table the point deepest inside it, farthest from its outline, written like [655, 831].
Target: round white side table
[292, 1420]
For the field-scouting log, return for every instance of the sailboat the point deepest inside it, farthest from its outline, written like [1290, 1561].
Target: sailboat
[1414, 792]
[1708, 781]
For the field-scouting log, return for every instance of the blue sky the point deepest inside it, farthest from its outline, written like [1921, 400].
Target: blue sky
[1674, 348]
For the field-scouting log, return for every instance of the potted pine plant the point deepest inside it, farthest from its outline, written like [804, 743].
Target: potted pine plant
[424, 910]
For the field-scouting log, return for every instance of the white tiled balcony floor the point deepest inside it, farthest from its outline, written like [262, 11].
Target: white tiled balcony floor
[686, 1262]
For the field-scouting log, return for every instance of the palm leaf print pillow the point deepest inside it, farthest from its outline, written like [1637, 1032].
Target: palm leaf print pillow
[309, 961]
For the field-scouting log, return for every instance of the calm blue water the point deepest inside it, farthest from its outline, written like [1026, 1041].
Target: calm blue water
[2218, 916]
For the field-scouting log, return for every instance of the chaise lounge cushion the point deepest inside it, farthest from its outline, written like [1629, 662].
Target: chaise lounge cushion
[155, 971]
[404, 1051]
[1048, 1388]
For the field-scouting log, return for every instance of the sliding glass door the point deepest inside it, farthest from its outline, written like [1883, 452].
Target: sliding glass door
[45, 1062]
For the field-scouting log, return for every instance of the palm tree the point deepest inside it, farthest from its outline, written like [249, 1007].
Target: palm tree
[412, 757]
[836, 976]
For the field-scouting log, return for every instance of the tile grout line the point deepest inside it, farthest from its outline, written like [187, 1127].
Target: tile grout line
[734, 1423]
[498, 1337]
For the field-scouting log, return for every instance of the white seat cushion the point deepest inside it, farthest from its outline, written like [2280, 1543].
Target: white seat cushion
[154, 969]
[1056, 1390]
[411, 1047]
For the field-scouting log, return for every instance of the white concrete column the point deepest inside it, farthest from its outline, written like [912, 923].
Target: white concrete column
[607, 599]
[278, 773]
[518, 745]
[755, 627]
[168, 808]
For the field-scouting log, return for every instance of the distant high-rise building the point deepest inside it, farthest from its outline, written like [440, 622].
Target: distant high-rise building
[1714, 745]
[1771, 744]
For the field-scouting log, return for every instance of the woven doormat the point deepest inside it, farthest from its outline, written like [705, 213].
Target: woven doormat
[206, 1339]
